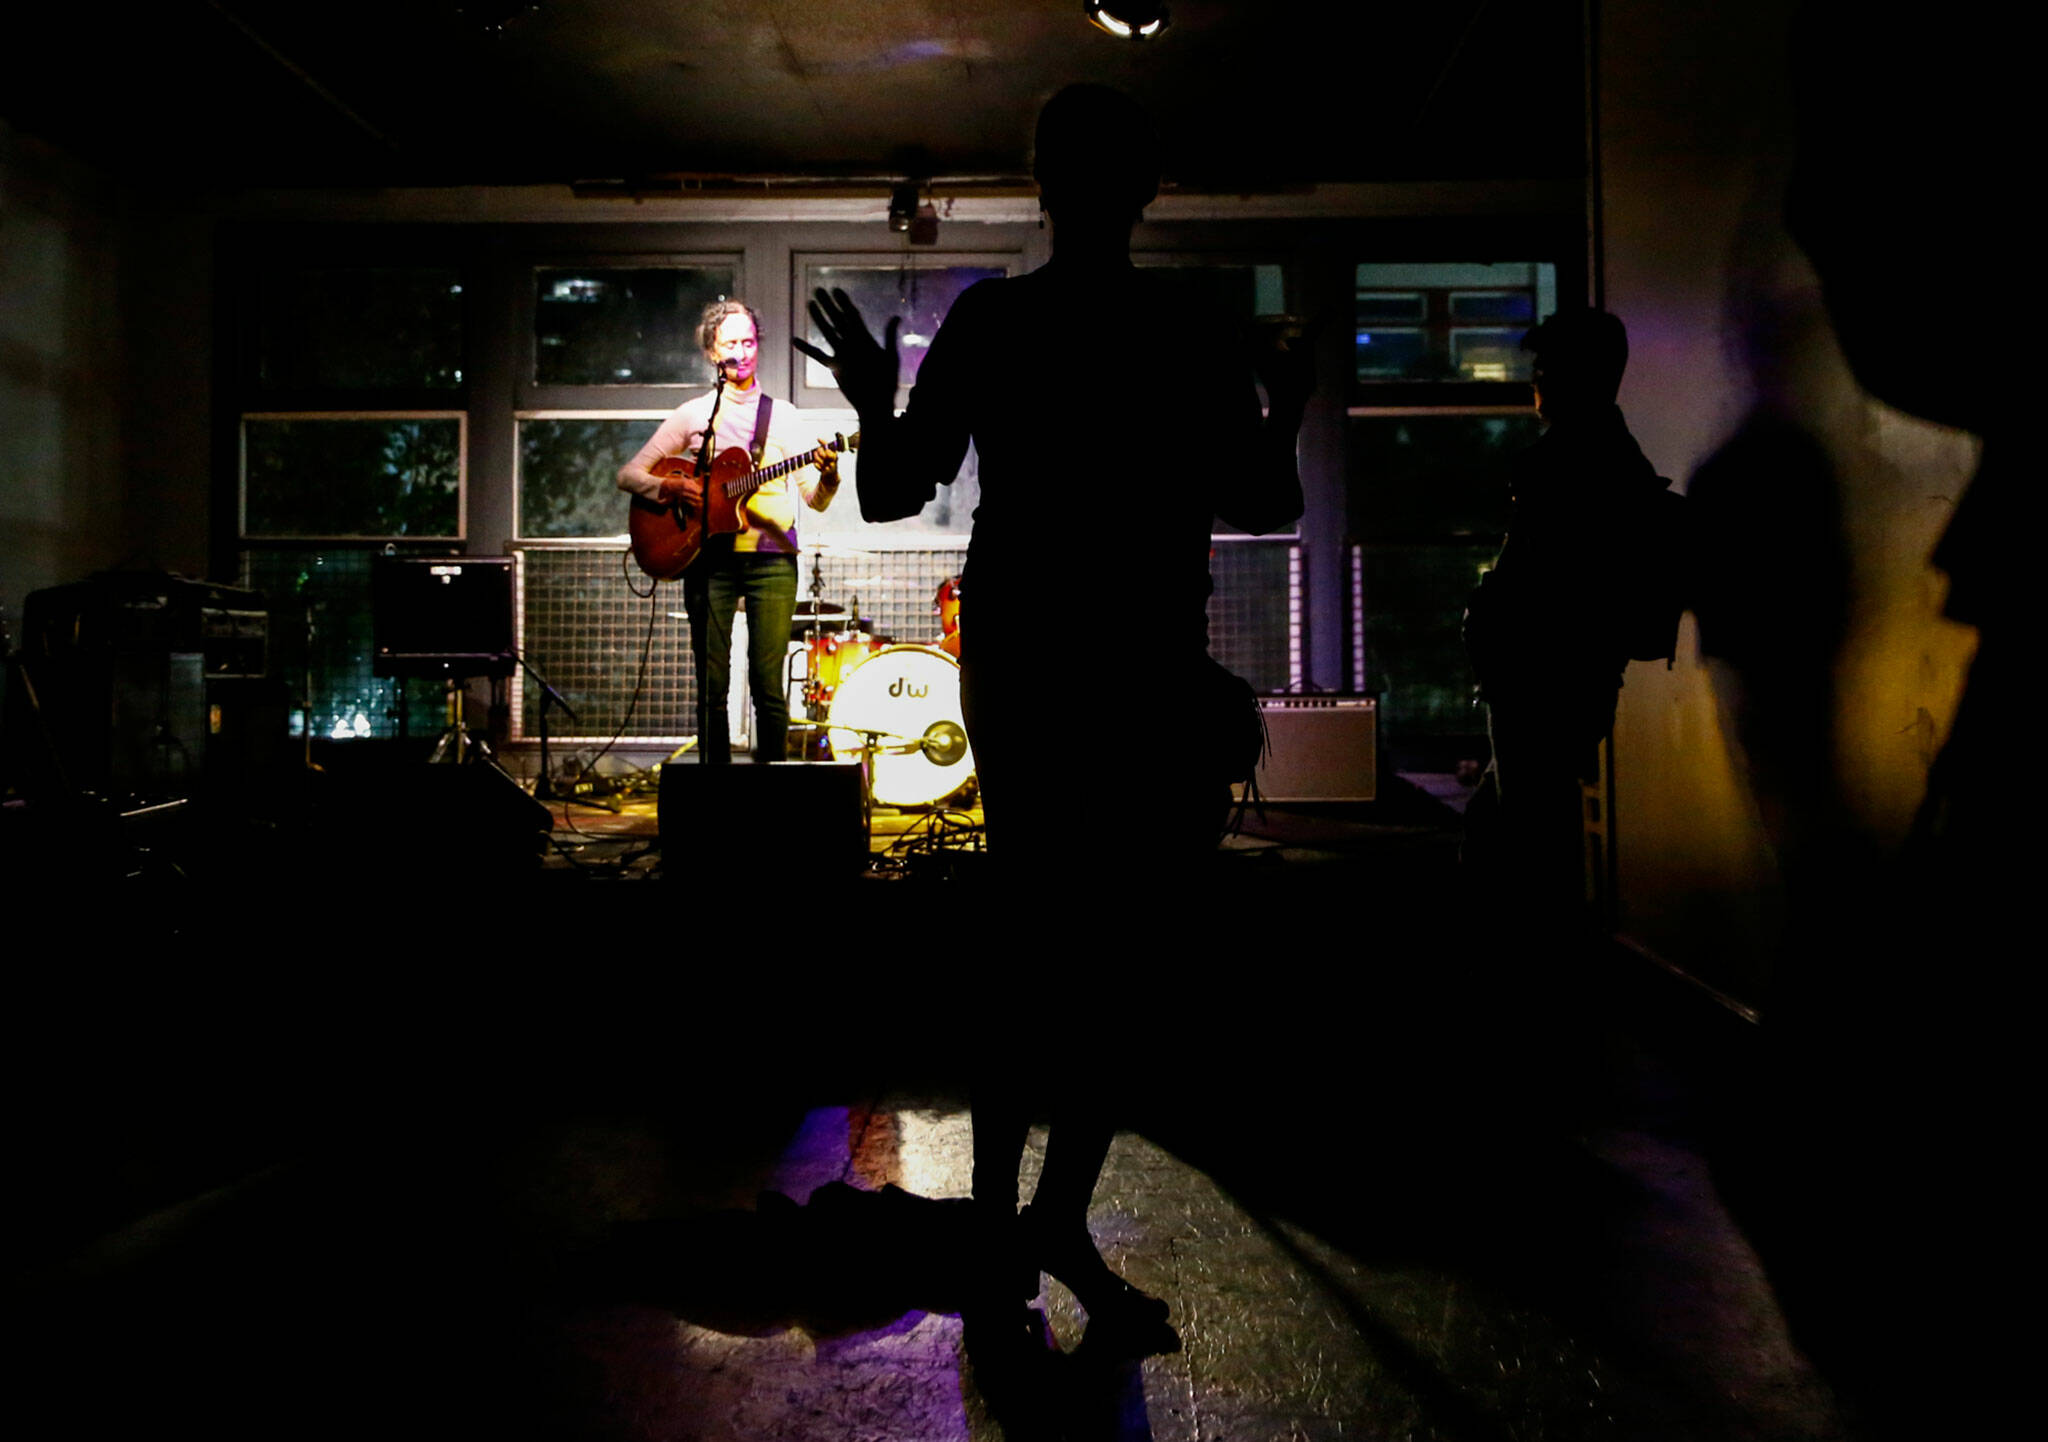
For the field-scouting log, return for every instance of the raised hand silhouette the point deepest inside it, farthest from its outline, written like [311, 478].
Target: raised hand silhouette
[865, 370]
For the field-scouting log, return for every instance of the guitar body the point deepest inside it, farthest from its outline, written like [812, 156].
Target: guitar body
[667, 535]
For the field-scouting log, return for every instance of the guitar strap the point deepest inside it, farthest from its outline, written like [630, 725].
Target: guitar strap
[761, 428]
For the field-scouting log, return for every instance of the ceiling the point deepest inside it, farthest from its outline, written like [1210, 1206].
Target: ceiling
[378, 92]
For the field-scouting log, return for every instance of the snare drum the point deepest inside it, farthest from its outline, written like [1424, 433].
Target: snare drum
[911, 696]
[835, 656]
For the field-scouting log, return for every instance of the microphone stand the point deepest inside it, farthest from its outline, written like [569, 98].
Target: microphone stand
[544, 787]
[705, 454]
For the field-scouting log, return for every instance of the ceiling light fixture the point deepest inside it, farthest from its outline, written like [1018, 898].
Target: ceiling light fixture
[902, 204]
[1127, 19]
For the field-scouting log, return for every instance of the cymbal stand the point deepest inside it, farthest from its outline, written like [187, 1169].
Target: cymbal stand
[455, 745]
[871, 746]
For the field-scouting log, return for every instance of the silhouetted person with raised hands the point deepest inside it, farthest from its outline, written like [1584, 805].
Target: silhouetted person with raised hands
[1113, 428]
[1547, 629]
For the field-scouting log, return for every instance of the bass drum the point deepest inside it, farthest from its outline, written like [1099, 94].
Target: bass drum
[911, 696]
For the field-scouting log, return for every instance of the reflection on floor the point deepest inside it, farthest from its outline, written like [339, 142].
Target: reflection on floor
[1286, 1334]
[555, 1161]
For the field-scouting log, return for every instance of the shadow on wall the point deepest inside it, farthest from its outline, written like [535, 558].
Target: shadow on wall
[1870, 1167]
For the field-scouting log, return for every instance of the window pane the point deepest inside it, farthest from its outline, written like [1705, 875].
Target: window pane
[1490, 355]
[1415, 648]
[921, 297]
[1504, 307]
[352, 477]
[568, 475]
[1391, 354]
[604, 326]
[1238, 291]
[1433, 477]
[1412, 306]
[1460, 321]
[322, 640]
[359, 328]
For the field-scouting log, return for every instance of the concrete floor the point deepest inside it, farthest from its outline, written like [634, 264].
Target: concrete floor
[438, 1175]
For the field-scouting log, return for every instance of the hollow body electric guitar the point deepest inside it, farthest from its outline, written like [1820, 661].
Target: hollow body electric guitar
[667, 535]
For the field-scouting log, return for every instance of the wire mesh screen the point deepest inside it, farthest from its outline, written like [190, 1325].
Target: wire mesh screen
[897, 590]
[322, 639]
[584, 630]
[1254, 615]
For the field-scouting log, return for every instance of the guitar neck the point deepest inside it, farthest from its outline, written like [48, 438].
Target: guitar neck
[752, 481]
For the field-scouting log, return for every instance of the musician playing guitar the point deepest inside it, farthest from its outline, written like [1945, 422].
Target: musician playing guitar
[758, 562]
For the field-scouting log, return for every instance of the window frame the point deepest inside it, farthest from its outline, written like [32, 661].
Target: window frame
[1468, 397]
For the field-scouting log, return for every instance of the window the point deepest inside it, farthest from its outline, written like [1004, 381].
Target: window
[624, 325]
[353, 434]
[356, 329]
[333, 475]
[1434, 476]
[1441, 405]
[918, 290]
[1240, 290]
[1447, 323]
[568, 463]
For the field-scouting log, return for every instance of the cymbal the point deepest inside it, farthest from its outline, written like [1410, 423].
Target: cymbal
[819, 608]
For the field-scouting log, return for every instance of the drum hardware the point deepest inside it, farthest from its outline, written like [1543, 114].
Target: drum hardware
[947, 603]
[901, 711]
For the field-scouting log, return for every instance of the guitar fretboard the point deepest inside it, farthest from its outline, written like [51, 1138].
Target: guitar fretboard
[753, 480]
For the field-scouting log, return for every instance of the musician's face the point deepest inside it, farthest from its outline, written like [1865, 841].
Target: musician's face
[737, 346]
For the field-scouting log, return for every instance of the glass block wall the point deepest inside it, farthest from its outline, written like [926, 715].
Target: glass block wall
[321, 640]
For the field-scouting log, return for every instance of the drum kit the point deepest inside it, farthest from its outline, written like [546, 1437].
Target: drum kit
[864, 697]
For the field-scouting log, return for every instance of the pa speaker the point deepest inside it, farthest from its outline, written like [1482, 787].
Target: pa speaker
[761, 818]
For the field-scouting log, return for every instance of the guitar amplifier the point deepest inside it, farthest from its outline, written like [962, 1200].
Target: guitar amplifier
[1324, 748]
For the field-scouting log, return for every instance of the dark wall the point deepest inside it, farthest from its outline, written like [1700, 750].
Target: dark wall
[105, 382]
[1801, 731]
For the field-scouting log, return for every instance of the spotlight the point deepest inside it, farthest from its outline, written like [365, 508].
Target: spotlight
[1127, 19]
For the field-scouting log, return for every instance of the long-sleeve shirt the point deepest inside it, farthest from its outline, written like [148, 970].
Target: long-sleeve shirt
[770, 513]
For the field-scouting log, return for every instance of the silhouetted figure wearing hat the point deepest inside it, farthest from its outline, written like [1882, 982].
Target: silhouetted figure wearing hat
[1546, 628]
